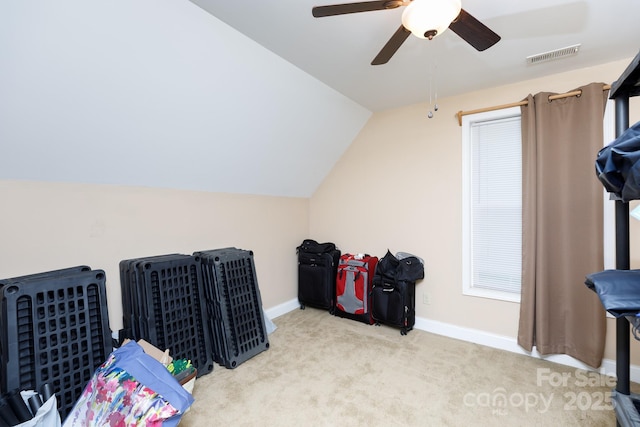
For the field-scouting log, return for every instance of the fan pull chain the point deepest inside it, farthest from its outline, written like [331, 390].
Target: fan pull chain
[433, 106]
[430, 115]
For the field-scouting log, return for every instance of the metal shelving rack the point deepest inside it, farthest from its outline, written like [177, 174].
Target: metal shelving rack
[627, 86]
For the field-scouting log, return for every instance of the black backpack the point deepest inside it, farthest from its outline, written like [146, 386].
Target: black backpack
[409, 268]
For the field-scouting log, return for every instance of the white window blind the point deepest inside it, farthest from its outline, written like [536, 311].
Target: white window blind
[493, 206]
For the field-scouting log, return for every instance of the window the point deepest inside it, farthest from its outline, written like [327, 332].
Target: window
[492, 204]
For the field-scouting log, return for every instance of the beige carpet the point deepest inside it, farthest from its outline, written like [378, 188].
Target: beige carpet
[322, 370]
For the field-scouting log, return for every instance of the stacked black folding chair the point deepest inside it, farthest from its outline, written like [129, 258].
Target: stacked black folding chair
[162, 302]
[234, 305]
[54, 329]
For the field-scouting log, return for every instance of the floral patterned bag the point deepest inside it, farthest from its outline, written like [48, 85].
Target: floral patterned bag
[130, 388]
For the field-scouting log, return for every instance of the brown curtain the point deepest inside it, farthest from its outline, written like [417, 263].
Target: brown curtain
[562, 225]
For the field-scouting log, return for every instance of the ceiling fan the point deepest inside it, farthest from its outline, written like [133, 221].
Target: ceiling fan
[426, 19]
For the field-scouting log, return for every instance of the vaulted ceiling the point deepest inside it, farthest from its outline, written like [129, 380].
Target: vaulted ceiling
[159, 93]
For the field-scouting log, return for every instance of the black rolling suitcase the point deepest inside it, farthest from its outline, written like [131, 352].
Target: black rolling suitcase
[317, 267]
[393, 293]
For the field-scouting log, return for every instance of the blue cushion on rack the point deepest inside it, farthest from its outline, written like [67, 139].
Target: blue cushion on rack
[618, 290]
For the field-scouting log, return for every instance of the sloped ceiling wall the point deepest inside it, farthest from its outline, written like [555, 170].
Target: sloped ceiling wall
[160, 93]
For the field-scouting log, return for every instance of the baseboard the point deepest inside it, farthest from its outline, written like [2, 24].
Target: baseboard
[483, 338]
[510, 344]
[283, 308]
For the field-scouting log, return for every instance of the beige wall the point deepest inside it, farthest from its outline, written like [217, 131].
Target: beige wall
[399, 187]
[46, 226]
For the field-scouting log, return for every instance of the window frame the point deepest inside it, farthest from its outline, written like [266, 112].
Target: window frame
[467, 255]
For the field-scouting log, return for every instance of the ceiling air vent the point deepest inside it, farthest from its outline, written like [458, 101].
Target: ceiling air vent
[553, 54]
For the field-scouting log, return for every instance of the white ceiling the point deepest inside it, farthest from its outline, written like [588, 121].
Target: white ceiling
[338, 50]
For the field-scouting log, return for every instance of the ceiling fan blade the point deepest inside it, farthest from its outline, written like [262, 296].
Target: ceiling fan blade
[473, 31]
[392, 46]
[364, 6]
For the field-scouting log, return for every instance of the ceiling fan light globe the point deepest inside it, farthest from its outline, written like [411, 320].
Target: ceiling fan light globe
[424, 17]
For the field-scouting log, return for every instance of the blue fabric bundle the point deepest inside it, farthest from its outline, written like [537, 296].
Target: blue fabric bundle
[618, 165]
[618, 290]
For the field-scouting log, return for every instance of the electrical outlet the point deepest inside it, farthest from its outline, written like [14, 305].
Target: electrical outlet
[426, 298]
